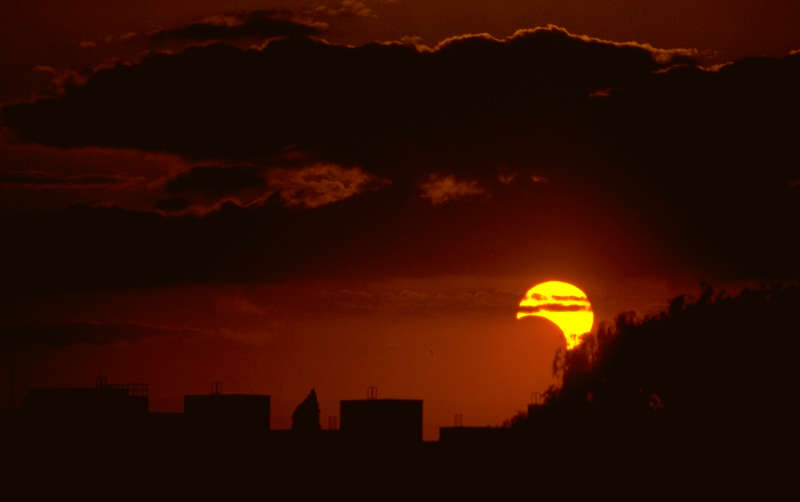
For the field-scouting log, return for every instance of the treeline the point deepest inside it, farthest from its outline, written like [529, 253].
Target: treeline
[719, 367]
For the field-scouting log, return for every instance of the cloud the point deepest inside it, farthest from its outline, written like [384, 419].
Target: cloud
[223, 101]
[656, 161]
[569, 298]
[346, 8]
[254, 25]
[439, 189]
[66, 334]
[600, 93]
[217, 180]
[173, 204]
[540, 297]
[38, 176]
[206, 188]
[203, 189]
[320, 184]
[506, 177]
[61, 79]
[418, 297]
[555, 307]
[42, 179]
[659, 55]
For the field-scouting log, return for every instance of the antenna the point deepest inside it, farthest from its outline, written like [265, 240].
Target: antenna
[372, 393]
[458, 420]
[216, 387]
[537, 398]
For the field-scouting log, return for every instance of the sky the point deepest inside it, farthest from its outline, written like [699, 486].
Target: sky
[293, 195]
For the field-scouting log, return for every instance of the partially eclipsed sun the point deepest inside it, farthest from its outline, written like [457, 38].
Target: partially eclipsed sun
[563, 304]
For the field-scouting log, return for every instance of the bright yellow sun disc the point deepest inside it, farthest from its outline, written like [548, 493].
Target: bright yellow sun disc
[564, 305]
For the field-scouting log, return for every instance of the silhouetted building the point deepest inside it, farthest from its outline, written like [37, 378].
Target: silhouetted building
[104, 401]
[306, 416]
[473, 436]
[382, 420]
[234, 412]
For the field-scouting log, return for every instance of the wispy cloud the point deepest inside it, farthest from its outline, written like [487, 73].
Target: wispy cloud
[439, 189]
[320, 184]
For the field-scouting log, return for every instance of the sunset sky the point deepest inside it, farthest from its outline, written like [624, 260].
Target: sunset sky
[297, 194]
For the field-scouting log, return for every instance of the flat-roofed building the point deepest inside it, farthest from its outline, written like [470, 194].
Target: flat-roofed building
[397, 421]
[104, 401]
[249, 412]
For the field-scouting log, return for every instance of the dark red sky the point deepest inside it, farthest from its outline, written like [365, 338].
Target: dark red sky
[182, 202]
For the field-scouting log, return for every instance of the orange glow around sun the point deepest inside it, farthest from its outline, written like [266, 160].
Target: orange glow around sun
[564, 305]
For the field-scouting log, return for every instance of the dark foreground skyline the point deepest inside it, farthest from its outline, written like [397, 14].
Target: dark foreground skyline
[676, 369]
[332, 195]
[642, 400]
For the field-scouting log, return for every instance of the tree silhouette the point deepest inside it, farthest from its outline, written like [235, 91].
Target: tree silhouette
[717, 367]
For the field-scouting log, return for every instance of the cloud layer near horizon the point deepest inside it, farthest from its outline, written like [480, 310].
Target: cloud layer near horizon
[283, 149]
[93, 333]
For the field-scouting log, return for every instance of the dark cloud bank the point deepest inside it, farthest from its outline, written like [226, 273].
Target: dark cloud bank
[221, 101]
[650, 159]
[254, 26]
[216, 179]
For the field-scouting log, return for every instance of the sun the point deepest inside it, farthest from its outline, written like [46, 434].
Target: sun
[564, 305]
